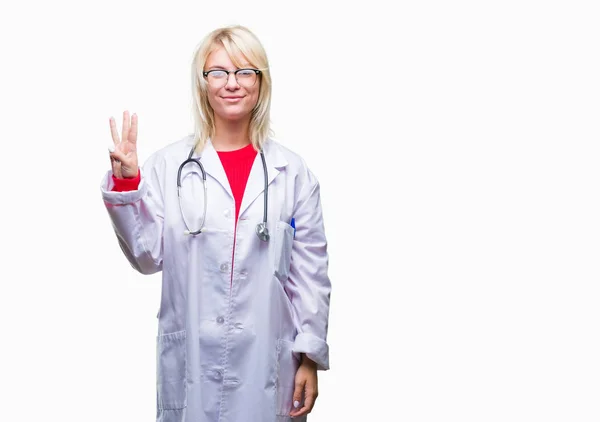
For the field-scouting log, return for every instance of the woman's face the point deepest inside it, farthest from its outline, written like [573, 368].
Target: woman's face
[231, 100]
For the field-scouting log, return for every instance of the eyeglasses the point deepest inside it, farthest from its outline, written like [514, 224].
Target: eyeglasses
[244, 77]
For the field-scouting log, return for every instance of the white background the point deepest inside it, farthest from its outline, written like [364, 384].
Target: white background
[457, 148]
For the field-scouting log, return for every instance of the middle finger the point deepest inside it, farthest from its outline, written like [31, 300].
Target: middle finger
[126, 125]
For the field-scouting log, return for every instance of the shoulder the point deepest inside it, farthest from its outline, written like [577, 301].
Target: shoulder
[284, 156]
[176, 149]
[295, 165]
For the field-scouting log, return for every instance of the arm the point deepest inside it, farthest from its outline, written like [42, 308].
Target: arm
[137, 218]
[308, 285]
[137, 212]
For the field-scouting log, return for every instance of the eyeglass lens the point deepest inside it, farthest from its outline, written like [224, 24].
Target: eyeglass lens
[245, 77]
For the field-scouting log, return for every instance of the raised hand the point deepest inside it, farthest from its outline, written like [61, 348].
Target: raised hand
[123, 156]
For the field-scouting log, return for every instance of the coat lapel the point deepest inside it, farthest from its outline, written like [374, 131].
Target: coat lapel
[213, 166]
[256, 180]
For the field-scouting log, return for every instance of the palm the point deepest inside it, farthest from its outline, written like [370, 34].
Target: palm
[124, 157]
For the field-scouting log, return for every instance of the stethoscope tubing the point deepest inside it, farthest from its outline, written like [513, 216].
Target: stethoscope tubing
[261, 229]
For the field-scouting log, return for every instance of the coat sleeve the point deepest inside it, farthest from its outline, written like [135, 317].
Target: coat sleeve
[137, 217]
[308, 285]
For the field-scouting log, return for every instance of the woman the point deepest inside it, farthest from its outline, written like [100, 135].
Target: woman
[244, 306]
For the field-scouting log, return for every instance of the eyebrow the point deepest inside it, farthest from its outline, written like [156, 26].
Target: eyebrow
[215, 67]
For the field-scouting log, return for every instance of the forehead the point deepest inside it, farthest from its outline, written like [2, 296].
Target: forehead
[220, 58]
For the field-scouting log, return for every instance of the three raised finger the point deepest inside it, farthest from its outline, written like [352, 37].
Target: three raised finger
[134, 129]
[113, 131]
[126, 126]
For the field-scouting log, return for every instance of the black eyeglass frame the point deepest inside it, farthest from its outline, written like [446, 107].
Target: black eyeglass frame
[235, 72]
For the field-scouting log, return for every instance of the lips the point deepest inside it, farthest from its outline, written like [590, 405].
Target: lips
[232, 100]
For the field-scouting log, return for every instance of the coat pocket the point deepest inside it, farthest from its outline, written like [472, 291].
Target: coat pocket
[287, 366]
[171, 369]
[284, 240]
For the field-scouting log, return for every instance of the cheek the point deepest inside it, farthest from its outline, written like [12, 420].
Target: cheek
[254, 99]
[212, 98]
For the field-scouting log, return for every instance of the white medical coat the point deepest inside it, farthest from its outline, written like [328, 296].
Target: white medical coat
[235, 312]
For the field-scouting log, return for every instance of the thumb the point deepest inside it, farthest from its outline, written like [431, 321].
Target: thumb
[117, 155]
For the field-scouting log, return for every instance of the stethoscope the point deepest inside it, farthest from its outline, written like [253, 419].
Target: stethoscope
[261, 228]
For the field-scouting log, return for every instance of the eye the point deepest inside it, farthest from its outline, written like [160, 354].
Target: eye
[245, 73]
[217, 74]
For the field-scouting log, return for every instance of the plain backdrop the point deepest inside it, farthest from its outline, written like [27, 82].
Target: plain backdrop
[456, 144]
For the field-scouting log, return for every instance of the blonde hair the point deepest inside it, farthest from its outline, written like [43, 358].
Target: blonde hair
[239, 42]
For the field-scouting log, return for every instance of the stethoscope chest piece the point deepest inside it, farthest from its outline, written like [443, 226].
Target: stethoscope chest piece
[262, 232]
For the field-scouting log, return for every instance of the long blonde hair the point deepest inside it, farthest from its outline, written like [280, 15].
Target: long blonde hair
[239, 42]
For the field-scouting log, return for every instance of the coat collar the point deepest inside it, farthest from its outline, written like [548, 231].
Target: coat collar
[274, 159]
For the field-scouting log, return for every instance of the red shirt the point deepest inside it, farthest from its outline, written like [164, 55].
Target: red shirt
[237, 165]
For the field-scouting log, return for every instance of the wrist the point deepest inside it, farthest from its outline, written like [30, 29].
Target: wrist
[135, 176]
[308, 361]
[127, 183]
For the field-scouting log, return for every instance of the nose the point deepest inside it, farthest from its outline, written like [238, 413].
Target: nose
[232, 82]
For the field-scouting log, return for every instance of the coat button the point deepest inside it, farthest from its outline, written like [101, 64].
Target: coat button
[220, 320]
[224, 267]
[218, 375]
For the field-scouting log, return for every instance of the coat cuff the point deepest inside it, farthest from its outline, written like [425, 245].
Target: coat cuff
[314, 348]
[121, 198]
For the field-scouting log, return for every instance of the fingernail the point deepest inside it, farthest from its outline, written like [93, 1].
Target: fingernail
[296, 404]
[111, 148]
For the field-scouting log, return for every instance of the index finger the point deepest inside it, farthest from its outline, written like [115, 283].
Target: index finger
[113, 131]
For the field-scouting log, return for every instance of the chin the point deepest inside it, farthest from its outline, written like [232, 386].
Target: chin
[234, 115]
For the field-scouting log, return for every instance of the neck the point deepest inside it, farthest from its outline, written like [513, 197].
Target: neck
[230, 136]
